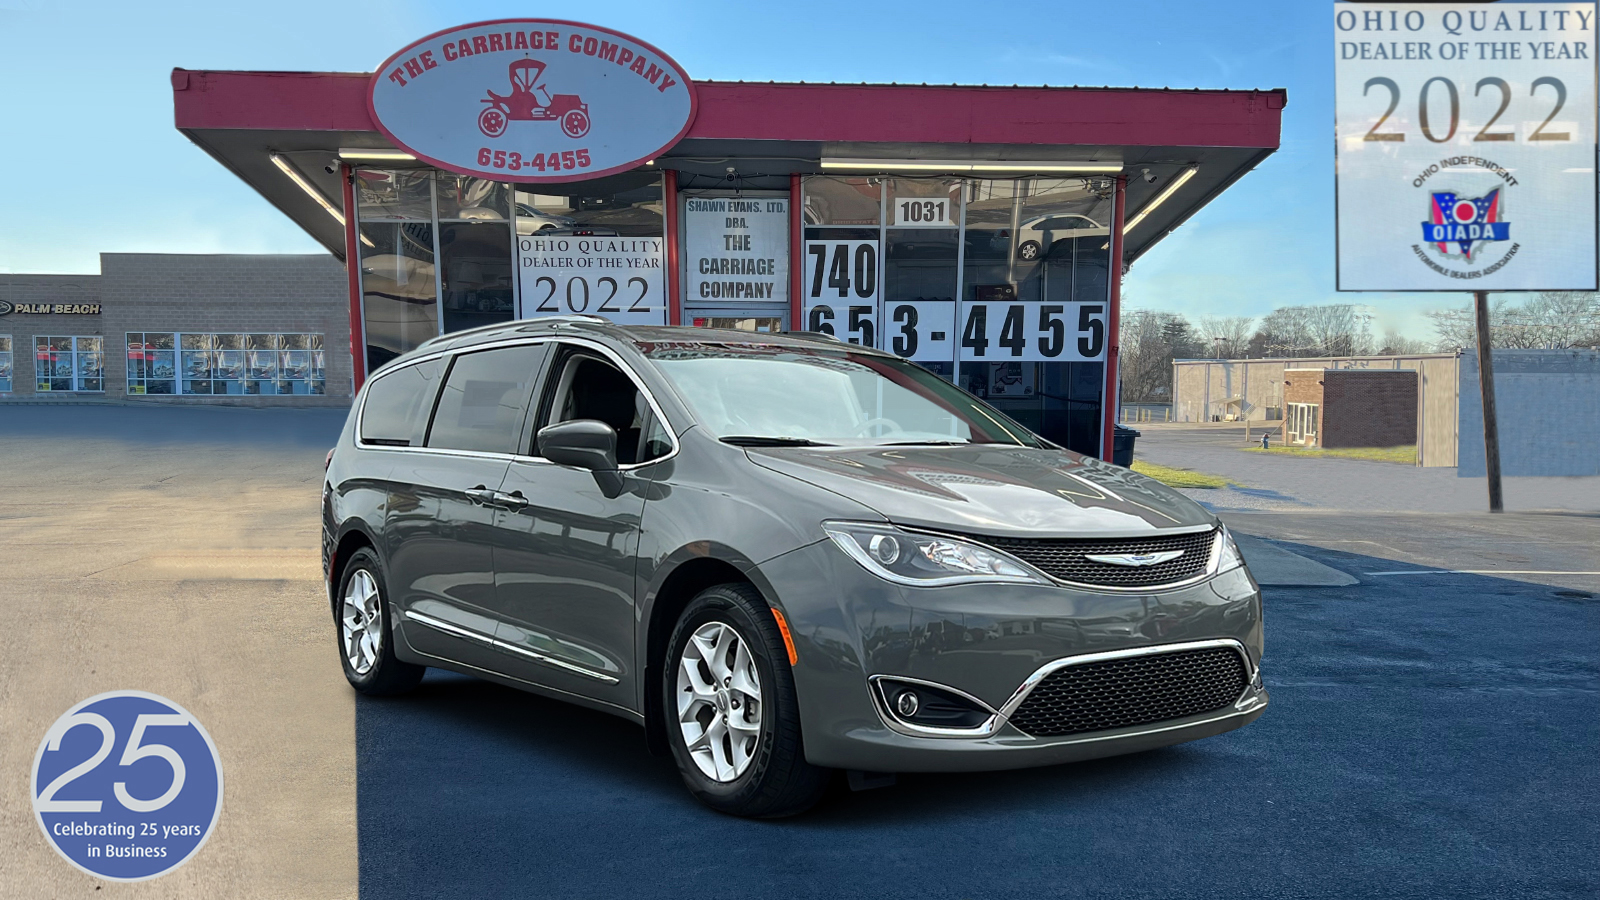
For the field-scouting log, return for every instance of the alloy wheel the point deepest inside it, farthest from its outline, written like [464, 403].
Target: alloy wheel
[361, 622]
[719, 701]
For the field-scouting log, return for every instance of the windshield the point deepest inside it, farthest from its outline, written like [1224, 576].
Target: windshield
[767, 393]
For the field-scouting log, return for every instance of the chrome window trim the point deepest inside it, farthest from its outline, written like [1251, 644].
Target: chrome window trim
[519, 340]
[1210, 571]
[496, 643]
[1246, 702]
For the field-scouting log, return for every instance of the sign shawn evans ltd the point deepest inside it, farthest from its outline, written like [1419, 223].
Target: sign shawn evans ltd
[1465, 146]
[532, 100]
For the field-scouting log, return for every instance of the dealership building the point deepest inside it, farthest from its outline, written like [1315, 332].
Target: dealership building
[520, 169]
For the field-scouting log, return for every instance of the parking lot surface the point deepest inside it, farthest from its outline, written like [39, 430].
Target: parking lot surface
[1266, 481]
[1432, 733]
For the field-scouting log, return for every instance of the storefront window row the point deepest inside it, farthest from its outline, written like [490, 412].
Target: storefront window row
[66, 364]
[1000, 285]
[231, 364]
[5, 364]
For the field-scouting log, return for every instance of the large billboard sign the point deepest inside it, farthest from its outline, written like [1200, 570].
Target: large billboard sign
[1465, 146]
[532, 100]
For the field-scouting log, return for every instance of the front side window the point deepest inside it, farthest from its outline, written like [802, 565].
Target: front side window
[588, 386]
[484, 397]
[760, 393]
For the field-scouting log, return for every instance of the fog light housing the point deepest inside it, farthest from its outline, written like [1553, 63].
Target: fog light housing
[906, 704]
[929, 708]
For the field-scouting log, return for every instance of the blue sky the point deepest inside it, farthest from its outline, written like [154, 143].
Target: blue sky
[93, 163]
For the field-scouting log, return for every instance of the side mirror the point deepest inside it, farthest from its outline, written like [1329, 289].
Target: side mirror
[584, 444]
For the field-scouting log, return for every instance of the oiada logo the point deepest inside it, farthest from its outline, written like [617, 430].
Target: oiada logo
[532, 100]
[1461, 227]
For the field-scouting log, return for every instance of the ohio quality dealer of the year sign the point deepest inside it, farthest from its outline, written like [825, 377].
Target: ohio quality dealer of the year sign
[1465, 146]
[532, 100]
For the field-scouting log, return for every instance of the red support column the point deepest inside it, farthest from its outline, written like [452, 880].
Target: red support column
[674, 282]
[797, 320]
[1113, 390]
[352, 268]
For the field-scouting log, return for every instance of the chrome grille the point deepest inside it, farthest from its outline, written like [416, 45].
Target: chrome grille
[1132, 690]
[1067, 559]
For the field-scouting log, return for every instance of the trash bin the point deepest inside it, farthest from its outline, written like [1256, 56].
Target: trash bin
[1122, 446]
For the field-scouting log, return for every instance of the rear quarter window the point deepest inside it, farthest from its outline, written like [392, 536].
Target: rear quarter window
[395, 412]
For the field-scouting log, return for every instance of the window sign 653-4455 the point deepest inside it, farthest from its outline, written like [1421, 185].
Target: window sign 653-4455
[1033, 331]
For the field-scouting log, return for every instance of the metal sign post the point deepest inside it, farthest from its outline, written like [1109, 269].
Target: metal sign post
[1491, 427]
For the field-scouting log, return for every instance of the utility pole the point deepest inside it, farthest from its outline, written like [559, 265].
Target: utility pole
[1491, 427]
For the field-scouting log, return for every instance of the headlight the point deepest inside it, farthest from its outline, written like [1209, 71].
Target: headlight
[1230, 557]
[923, 559]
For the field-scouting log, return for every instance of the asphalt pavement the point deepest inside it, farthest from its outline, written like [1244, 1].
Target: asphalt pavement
[1429, 736]
[1267, 481]
[1433, 730]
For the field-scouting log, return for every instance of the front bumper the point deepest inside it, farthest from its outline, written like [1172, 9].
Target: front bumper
[990, 642]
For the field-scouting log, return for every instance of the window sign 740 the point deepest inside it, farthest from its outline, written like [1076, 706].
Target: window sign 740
[841, 284]
[1033, 331]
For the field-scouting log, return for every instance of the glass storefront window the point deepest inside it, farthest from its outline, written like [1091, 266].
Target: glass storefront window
[627, 206]
[831, 200]
[5, 363]
[921, 250]
[1031, 249]
[469, 199]
[152, 363]
[402, 195]
[399, 286]
[69, 364]
[226, 363]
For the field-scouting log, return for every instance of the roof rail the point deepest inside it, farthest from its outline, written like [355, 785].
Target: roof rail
[813, 335]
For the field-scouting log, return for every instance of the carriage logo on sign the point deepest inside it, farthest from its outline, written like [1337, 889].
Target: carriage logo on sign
[532, 100]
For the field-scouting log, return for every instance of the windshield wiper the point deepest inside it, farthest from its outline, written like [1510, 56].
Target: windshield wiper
[925, 444]
[755, 440]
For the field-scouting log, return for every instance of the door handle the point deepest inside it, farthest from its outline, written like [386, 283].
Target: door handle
[512, 501]
[481, 496]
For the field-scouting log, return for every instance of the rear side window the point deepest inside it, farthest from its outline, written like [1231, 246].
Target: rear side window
[484, 397]
[397, 405]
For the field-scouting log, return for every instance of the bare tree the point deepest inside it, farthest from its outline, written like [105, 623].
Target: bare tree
[1151, 340]
[1338, 329]
[1227, 336]
[1549, 320]
[1396, 344]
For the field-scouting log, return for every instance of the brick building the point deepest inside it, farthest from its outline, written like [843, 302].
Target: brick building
[180, 328]
[1350, 407]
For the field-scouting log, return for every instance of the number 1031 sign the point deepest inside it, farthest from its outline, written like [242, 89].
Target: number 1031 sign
[1465, 146]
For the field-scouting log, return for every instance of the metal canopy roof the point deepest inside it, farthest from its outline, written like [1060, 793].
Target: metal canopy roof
[770, 130]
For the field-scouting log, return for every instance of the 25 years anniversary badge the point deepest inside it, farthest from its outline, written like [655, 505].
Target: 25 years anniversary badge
[127, 786]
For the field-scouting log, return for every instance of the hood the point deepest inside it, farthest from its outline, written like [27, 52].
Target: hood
[991, 489]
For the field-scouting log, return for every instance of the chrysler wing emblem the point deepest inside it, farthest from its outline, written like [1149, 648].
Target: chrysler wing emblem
[1134, 559]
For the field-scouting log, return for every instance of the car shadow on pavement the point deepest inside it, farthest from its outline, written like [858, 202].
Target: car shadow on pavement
[1420, 730]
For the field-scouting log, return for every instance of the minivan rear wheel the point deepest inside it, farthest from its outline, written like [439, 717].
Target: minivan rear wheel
[365, 634]
[730, 711]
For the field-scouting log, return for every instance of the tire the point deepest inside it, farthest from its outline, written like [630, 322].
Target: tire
[363, 596]
[1028, 251]
[775, 779]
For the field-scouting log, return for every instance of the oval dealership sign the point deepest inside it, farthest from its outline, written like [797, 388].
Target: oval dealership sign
[532, 100]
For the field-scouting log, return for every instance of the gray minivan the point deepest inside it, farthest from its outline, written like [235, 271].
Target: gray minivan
[781, 554]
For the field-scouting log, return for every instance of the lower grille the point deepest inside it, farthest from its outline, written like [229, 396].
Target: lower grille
[1067, 559]
[1134, 690]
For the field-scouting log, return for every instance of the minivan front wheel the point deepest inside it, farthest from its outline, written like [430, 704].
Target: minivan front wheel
[366, 649]
[731, 716]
